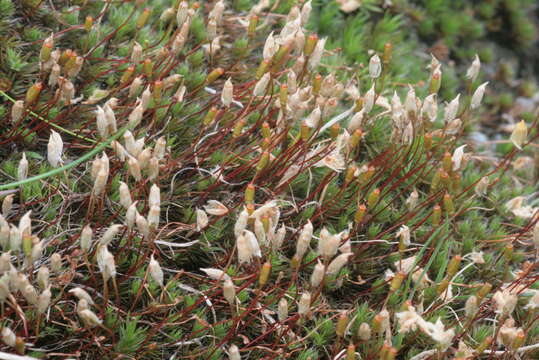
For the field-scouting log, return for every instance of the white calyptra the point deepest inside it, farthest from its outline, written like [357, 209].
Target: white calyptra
[134, 168]
[22, 170]
[86, 238]
[262, 85]
[159, 148]
[471, 306]
[55, 148]
[17, 111]
[482, 186]
[216, 208]
[260, 232]
[245, 251]
[67, 91]
[142, 225]
[234, 353]
[5, 262]
[404, 235]
[211, 29]
[144, 157]
[215, 274]
[270, 47]
[171, 80]
[457, 157]
[89, 318]
[508, 333]
[328, 243]
[109, 234]
[25, 224]
[291, 82]
[299, 40]
[473, 70]
[368, 99]
[506, 301]
[135, 86]
[535, 236]
[477, 257]
[100, 181]
[106, 264]
[412, 199]
[138, 145]
[408, 320]
[364, 331]
[318, 274]
[44, 300]
[202, 219]
[410, 104]
[533, 303]
[82, 294]
[54, 75]
[270, 208]
[241, 222]
[56, 262]
[452, 109]
[15, 238]
[314, 118]
[119, 150]
[101, 122]
[30, 294]
[304, 304]
[477, 96]
[304, 239]
[145, 98]
[356, 121]
[131, 215]
[519, 134]
[182, 13]
[397, 110]
[177, 44]
[306, 12]
[155, 196]
[282, 309]
[153, 216]
[384, 320]
[217, 12]
[43, 277]
[227, 95]
[4, 232]
[429, 110]
[335, 159]
[111, 119]
[375, 66]
[37, 251]
[253, 242]
[155, 271]
[292, 171]
[277, 240]
[229, 291]
[8, 337]
[136, 53]
[316, 56]
[438, 333]
[135, 116]
[125, 195]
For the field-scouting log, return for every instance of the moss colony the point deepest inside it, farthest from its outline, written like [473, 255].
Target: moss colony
[216, 180]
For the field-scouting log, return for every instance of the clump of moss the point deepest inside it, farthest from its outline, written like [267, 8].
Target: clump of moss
[202, 180]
